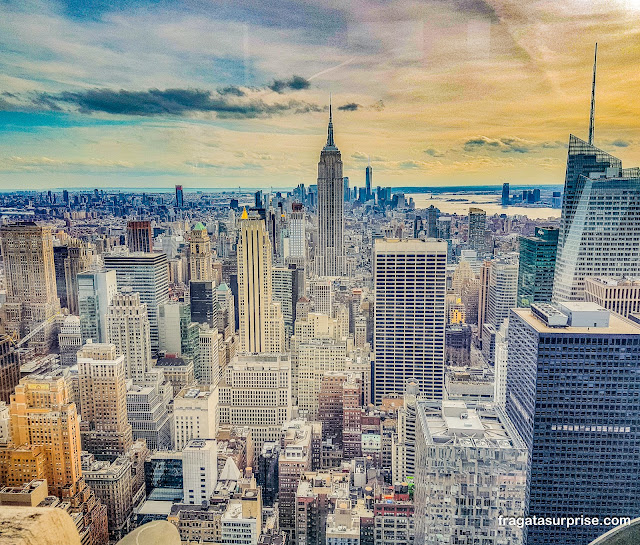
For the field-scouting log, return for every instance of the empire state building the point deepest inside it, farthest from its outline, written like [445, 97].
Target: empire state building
[330, 253]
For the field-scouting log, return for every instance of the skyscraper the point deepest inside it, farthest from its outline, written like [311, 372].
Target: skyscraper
[179, 197]
[330, 251]
[505, 194]
[261, 321]
[96, 290]
[203, 299]
[27, 251]
[537, 266]
[146, 273]
[105, 430]
[128, 330]
[9, 369]
[297, 236]
[572, 374]
[78, 259]
[139, 236]
[41, 414]
[599, 229]
[409, 329]
[503, 291]
[368, 176]
[200, 261]
[477, 227]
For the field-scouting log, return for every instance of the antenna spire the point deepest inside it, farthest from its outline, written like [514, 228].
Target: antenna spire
[593, 97]
[330, 142]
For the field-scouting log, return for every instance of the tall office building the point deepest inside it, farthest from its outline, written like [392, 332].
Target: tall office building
[105, 430]
[200, 260]
[139, 236]
[261, 321]
[505, 194]
[78, 259]
[207, 366]
[146, 273]
[599, 229]
[42, 414]
[203, 299]
[368, 180]
[179, 197]
[27, 251]
[255, 391]
[128, 329]
[409, 327]
[46, 444]
[537, 266]
[503, 292]
[288, 287]
[96, 290]
[471, 468]
[330, 260]
[477, 228]
[572, 374]
[178, 334]
[226, 302]
[297, 235]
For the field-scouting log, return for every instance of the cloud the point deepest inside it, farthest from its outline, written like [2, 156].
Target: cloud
[359, 156]
[228, 102]
[505, 144]
[350, 107]
[620, 143]
[296, 83]
[434, 152]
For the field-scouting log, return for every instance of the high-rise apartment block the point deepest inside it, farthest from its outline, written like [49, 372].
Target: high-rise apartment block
[477, 228]
[261, 320]
[105, 430]
[139, 236]
[27, 251]
[537, 266]
[128, 329]
[410, 290]
[70, 340]
[599, 230]
[78, 259]
[96, 290]
[330, 253]
[571, 374]
[471, 466]
[146, 273]
[503, 291]
[297, 236]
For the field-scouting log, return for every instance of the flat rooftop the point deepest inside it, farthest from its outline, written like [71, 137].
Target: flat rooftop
[617, 325]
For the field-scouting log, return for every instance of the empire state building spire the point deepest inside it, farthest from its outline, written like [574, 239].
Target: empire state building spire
[330, 257]
[330, 142]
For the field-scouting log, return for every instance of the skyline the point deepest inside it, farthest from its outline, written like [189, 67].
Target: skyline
[239, 96]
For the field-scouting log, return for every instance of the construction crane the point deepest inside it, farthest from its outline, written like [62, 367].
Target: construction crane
[13, 337]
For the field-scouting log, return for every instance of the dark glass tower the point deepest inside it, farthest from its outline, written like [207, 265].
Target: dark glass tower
[537, 266]
[204, 303]
[572, 393]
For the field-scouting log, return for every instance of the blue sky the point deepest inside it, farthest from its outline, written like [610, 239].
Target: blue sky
[228, 93]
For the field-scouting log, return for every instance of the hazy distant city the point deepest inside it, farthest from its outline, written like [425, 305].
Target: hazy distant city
[394, 301]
